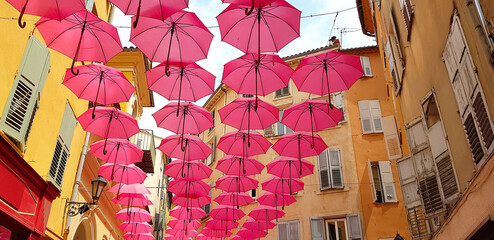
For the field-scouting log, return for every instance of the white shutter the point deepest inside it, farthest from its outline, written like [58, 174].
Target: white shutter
[416, 136]
[316, 228]
[366, 66]
[282, 231]
[338, 101]
[89, 5]
[408, 183]
[423, 162]
[375, 110]
[335, 164]
[467, 71]
[365, 116]
[449, 60]
[456, 38]
[293, 227]
[460, 95]
[387, 181]
[436, 140]
[354, 227]
[324, 170]
[371, 179]
[391, 137]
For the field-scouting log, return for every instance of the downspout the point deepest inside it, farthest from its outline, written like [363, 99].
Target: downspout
[78, 176]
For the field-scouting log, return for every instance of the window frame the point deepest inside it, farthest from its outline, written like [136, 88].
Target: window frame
[384, 193]
[365, 62]
[340, 105]
[276, 96]
[371, 117]
[330, 169]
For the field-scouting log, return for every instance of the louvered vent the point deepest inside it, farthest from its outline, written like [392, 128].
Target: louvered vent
[59, 161]
[483, 120]
[473, 139]
[19, 106]
[447, 176]
[431, 197]
[417, 222]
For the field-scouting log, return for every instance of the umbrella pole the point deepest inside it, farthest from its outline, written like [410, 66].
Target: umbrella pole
[167, 68]
[120, 186]
[185, 154]
[134, 25]
[183, 130]
[97, 93]
[311, 125]
[299, 157]
[77, 50]
[115, 162]
[23, 25]
[180, 89]
[327, 81]
[107, 132]
[248, 122]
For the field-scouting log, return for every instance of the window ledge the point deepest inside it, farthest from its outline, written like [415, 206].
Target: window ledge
[373, 133]
[282, 97]
[385, 203]
[332, 190]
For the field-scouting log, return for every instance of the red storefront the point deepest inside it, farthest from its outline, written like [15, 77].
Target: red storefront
[25, 197]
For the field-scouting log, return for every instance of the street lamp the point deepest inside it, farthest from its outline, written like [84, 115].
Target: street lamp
[398, 237]
[75, 208]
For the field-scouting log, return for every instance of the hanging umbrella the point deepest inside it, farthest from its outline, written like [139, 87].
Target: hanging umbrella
[188, 82]
[121, 151]
[267, 29]
[231, 165]
[192, 171]
[237, 184]
[180, 212]
[136, 227]
[136, 215]
[234, 199]
[282, 185]
[54, 9]
[252, 3]
[226, 213]
[138, 236]
[216, 233]
[299, 145]
[187, 188]
[311, 115]
[185, 201]
[221, 224]
[235, 143]
[253, 224]
[288, 167]
[191, 118]
[136, 188]
[193, 147]
[257, 74]
[132, 200]
[266, 213]
[109, 122]
[150, 8]
[182, 37]
[96, 39]
[181, 232]
[99, 84]
[327, 73]
[276, 199]
[245, 233]
[183, 224]
[127, 174]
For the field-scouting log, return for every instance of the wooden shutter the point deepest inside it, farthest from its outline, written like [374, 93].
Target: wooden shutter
[416, 136]
[293, 230]
[366, 66]
[391, 137]
[484, 123]
[324, 170]
[387, 181]
[473, 138]
[447, 178]
[437, 141]
[407, 11]
[431, 197]
[375, 110]
[22, 102]
[365, 116]
[335, 165]
[317, 228]
[409, 187]
[282, 230]
[213, 114]
[371, 179]
[67, 127]
[354, 226]
[89, 5]
[417, 222]
[213, 154]
[338, 101]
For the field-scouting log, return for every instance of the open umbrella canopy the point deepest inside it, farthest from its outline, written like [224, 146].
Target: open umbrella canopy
[282, 185]
[151, 8]
[183, 224]
[190, 118]
[127, 174]
[245, 233]
[216, 233]
[245, 113]
[54, 9]
[253, 224]
[236, 143]
[327, 73]
[134, 215]
[257, 74]
[81, 36]
[232, 165]
[136, 188]
[221, 224]
[99, 83]
[189, 170]
[138, 236]
[234, 199]
[276, 200]
[266, 213]
[226, 213]
[190, 189]
[182, 37]
[230, 183]
[109, 122]
[191, 202]
[136, 227]
[132, 200]
[179, 233]
[257, 3]
[180, 212]
[119, 151]
[299, 145]
[311, 115]
[288, 167]
[185, 147]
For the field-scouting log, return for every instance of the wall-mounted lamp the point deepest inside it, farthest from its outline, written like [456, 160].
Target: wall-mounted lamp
[75, 208]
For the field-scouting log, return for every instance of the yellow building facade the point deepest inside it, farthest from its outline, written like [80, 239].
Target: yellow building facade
[338, 197]
[439, 57]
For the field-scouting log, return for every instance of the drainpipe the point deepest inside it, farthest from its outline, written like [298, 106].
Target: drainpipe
[78, 176]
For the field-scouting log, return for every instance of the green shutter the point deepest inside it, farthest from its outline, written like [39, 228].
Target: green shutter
[67, 127]
[89, 5]
[22, 101]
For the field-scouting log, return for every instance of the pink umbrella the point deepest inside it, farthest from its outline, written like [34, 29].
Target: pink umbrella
[245, 233]
[183, 224]
[54, 9]
[150, 8]
[186, 82]
[191, 118]
[187, 188]
[231, 183]
[231, 165]
[132, 200]
[99, 83]
[216, 233]
[226, 213]
[96, 39]
[266, 213]
[127, 174]
[235, 143]
[191, 202]
[221, 224]
[253, 224]
[193, 147]
[181, 232]
[109, 122]
[134, 215]
[136, 227]
[138, 236]
[259, 75]
[268, 29]
[136, 188]
[182, 37]
[286, 167]
[252, 3]
[192, 171]
[282, 185]
[180, 212]
[231, 198]
[119, 151]
[275, 200]
[327, 73]
[183, 235]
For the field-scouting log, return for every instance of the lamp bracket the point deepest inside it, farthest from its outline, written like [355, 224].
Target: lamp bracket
[75, 208]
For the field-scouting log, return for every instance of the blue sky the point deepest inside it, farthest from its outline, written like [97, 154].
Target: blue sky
[314, 33]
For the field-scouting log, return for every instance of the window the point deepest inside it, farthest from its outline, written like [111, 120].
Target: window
[366, 66]
[370, 116]
[207, 208]
[381, 177]
[348, 228]
[213, 113]
[281, 128]
[211, 157]
[288, 230]
[89, 5]
[247, 95]
[392, 66]
[468, 92]
[253, 193]
[62, 147]
[282, 92]
[330, 174]
[338, 101]
[22, 102]
[407, 11]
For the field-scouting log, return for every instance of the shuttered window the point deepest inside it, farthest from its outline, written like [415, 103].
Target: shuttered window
[62, 147]
[407, 11]
[213, 114]
[468, 92]
[418, 223]
[370, 116]
[212, 157]
[22, 103]
[281, 128]
[282, 92]
[354, 227]
[366, 66]
[317, 228]
[382, 182]
[338, 101]
[89, 5]
[391, 137]
[288, 230]
[330, 170]
[207, 208]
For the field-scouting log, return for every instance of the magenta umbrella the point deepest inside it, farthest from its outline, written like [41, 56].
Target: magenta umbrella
[109, 122]
[150, 8]
[54, 9]
[234, 199]
[253, 224]
[181, 232]
[81, 36]
[275, 200]
[132, 200]
[99, 83]
[192, 171]
[191, 202]
[231, 165]
[136, 227]
[327, 73]
[266, 213]
[282, 185]
[138, 236]
[191, 118]
[193, 147]
[216, 233]
[136, 215]
[252, 3]
[182, 37]
[235, 143]
[226, 213]
[187, 188]
[183, 224]
[121, 151]
[188, 82]
[245, 233]
[221, 224]
[267, 29]
[286, 167]
[136, 188]
[127, 174]
[259, 75]
[238, 184]
[180, 212]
